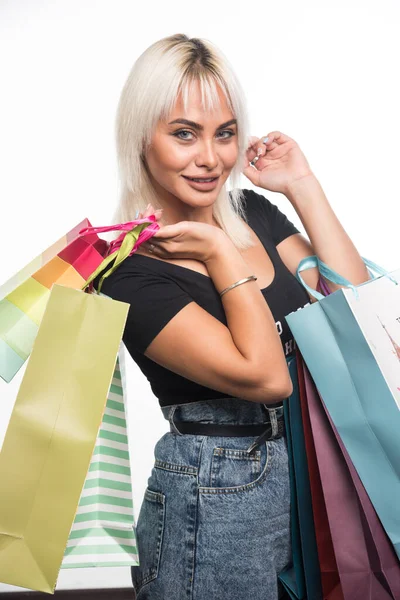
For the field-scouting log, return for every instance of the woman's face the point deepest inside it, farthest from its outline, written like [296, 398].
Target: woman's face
[206, 147]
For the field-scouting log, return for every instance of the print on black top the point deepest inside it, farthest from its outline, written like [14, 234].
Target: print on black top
[157, 291]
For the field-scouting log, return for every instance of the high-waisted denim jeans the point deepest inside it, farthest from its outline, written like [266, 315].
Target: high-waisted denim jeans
[215, 520]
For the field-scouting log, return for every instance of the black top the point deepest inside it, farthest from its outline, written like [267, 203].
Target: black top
[158, 290]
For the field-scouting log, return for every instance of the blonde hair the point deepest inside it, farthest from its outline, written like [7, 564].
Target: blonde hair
[166, 68]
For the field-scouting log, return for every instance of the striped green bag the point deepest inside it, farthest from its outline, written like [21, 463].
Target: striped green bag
[103, 533]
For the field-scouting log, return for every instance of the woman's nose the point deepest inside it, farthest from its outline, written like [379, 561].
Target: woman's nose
[207, 155]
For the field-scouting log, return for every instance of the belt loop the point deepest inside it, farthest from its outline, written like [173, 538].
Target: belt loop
[171, 419]
[273, 420]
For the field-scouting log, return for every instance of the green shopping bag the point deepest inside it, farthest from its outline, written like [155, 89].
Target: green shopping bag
[52, 432]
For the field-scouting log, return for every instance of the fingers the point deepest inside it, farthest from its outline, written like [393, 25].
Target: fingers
[252, 147]
[150, 211]
[152, 242]
[260, 146]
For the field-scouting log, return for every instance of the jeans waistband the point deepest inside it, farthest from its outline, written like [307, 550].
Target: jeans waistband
[229, 412]
[224, 411]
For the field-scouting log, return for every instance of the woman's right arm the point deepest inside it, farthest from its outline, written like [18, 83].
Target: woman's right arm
[250, 321]
[243, 360]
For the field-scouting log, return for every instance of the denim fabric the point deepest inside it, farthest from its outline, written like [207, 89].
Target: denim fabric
[215, 520]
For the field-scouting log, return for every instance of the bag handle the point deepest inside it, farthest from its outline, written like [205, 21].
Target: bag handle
[134, 233]
[313, 261]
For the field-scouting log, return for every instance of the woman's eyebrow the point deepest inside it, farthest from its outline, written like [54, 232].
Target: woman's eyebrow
[200, 127]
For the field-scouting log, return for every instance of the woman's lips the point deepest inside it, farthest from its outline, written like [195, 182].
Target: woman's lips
[202, 185]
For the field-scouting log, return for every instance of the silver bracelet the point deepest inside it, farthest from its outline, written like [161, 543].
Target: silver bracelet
[238, 283]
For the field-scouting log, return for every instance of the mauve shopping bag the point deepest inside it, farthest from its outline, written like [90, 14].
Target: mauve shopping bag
[367, 564]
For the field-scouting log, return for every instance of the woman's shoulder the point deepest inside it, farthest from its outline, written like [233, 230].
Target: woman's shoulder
[253, 199]
[256, 205]
[133, 269]
[259, 207]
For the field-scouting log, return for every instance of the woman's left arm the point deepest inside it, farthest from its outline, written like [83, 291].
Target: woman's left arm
[280, 166]
[327, 236]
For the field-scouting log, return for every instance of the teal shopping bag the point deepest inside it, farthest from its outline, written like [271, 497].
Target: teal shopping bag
[348, 341]
[302, 580]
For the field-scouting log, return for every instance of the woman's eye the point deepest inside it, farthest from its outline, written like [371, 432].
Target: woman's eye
[178, 133]
[183, 131]
[231, 133]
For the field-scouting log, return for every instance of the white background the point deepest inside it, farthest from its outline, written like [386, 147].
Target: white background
[324, 73]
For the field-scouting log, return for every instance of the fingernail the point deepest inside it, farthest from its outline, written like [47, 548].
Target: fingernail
[265, 140]
[137, 214]
[259, 151]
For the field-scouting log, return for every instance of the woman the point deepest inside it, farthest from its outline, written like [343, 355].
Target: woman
[209, 293]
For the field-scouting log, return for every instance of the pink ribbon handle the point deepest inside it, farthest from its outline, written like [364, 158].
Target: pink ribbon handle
[114, 245]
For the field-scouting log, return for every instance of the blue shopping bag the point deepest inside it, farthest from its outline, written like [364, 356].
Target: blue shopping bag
[302, 579]
[348, 341]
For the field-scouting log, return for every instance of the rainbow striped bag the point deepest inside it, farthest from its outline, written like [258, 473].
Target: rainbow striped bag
[23, 298]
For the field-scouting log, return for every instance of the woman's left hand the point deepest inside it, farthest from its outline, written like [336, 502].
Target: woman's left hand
[281, 162]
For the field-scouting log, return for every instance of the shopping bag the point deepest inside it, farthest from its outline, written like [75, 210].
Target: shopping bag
[292, 577]
[52, 433]
[384, 565]
[367, 564]
[103, 533]
[301, 580]
[330, 581]
[351, 360]
[23, 298]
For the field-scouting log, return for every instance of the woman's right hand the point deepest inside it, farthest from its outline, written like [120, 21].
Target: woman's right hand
[185, 239]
